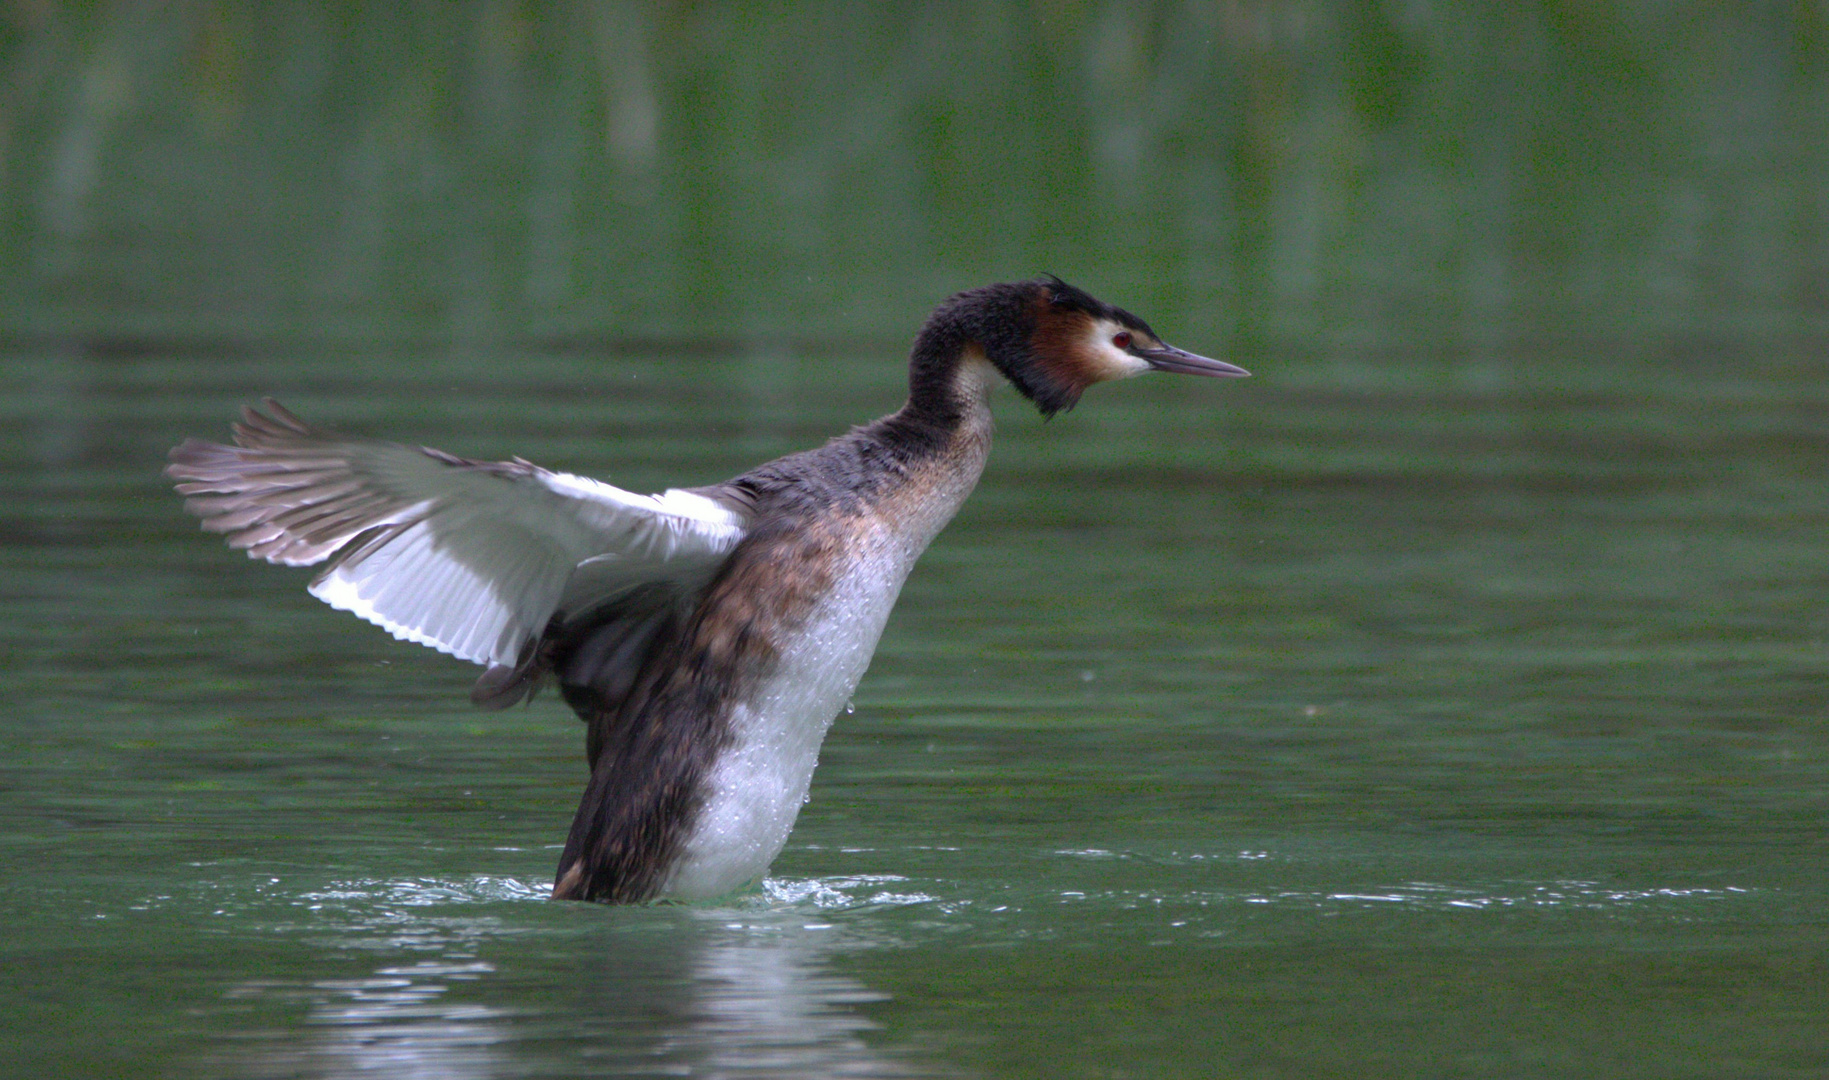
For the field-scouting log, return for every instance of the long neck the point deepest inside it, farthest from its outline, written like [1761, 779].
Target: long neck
[949, 376]
[949, 390]
[991, 328]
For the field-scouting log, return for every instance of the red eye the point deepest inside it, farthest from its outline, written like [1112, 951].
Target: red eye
[1121, 339]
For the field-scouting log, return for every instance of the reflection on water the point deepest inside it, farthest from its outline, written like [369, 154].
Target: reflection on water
[750, 989]
[743, 990]
[1577, 894]
[746, 993]
[1418, 895]
[397, 1022]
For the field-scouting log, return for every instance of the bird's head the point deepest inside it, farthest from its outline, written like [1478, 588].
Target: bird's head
[1052, 340]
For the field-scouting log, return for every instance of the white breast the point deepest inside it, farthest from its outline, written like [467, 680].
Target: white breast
[756, 788]
[758, 785]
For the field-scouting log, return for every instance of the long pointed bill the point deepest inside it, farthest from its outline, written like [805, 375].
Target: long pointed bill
[1169, 358]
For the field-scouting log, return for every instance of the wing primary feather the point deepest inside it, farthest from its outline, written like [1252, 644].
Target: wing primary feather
[473, 558]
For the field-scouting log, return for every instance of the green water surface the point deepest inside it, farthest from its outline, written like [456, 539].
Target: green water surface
[1233, 728]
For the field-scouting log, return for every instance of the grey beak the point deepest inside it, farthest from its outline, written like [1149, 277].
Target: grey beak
[1169, 358]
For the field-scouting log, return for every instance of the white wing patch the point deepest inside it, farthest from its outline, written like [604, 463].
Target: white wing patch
[469, 558]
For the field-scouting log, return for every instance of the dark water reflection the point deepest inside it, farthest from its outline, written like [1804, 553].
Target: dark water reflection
[742, 991]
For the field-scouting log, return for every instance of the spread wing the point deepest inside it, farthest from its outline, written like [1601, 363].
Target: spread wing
[471, 558]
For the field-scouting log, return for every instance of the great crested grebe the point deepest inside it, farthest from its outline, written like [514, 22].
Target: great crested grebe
[707, 636]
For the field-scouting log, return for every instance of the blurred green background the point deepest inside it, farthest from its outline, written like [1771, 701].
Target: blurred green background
[1306, 175]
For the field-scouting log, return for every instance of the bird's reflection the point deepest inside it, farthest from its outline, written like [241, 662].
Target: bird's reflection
[402, 1021]
[751, 995]
[737, 992]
